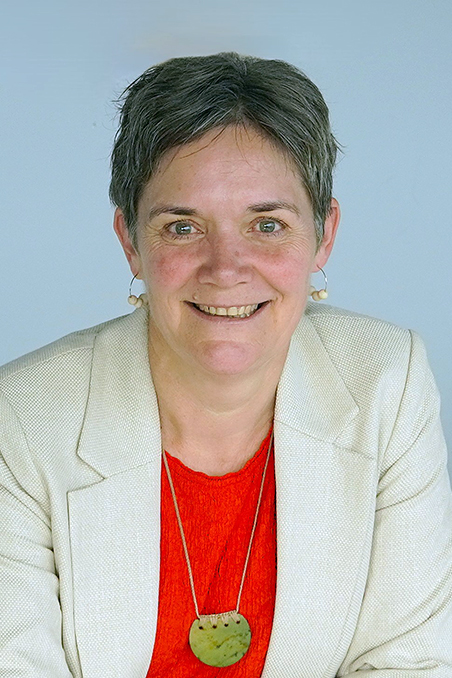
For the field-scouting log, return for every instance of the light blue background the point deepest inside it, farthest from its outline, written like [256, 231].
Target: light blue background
[385, 70]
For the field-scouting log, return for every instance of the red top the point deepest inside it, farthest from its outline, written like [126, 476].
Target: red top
[217, 515]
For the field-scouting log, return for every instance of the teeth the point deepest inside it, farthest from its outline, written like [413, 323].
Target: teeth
[231, 311]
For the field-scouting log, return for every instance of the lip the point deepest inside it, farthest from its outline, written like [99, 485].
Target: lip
[226, 318]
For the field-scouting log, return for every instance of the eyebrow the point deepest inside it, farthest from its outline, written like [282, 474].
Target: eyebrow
[258, 207]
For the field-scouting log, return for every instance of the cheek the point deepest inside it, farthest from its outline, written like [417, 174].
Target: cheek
[168, 269]
[290, 272]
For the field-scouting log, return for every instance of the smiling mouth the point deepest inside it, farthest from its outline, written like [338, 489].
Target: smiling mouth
[230, 311]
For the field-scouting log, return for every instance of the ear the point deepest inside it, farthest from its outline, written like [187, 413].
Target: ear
[122, 232]
[329, 235]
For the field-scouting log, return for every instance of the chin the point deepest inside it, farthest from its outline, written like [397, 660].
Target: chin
[227, 359]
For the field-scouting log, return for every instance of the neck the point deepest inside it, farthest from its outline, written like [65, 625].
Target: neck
[213, 423]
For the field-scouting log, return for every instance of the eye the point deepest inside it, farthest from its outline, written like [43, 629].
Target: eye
[180, 229]
[269, 226]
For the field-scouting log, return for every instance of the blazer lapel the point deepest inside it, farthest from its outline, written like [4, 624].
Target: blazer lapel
[115, 523]
[324, 514]
[115, 543]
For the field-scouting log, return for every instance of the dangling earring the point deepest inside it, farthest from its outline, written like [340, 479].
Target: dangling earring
[132, 299]
[317, 295]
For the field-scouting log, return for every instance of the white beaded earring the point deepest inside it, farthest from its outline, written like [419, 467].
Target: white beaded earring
[318, 295]
[132, 299]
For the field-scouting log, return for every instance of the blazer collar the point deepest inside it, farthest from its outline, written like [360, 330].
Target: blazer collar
[312, 397]
[122, 427]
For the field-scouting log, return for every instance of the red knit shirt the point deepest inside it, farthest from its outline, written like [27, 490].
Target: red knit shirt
[217, 514]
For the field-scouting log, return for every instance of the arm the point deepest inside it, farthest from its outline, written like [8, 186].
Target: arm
[30, 614]
[405, 625]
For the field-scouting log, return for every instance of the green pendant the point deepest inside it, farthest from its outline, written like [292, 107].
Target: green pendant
[220, 639]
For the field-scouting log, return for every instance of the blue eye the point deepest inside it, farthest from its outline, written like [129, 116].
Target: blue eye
[182, 228]
[269, 226]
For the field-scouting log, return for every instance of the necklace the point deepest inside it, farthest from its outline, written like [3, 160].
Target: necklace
[218, 639]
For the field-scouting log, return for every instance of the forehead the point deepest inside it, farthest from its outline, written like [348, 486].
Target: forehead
[232, 164]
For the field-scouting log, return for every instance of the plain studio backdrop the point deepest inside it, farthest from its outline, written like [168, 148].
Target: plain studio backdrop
[385, 71]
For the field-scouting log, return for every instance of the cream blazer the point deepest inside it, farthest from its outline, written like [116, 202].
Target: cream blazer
[364, 512]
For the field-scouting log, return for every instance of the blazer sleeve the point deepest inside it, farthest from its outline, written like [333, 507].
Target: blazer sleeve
[30, 614]
[404, 628]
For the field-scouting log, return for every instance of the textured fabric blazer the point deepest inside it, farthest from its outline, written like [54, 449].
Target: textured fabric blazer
[364, 514]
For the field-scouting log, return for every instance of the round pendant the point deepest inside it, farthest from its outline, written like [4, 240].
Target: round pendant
[220, 639]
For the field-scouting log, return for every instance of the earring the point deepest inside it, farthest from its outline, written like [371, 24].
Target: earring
[317, 295]
[132, 299]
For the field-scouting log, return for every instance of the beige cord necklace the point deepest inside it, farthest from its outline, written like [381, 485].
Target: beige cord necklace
[219, 639]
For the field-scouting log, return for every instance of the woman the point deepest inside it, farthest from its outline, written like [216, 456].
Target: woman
[229, 481]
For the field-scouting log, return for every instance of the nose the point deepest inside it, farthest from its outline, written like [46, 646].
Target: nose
[224, 262]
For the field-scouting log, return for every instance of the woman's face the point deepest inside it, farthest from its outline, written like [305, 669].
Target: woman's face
[226, 246]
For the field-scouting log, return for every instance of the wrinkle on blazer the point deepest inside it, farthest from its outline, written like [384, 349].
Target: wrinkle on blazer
[364, 512]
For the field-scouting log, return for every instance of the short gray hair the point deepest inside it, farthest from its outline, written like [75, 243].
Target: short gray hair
[179, 100]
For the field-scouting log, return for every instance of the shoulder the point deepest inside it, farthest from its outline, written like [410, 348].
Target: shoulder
[43, 398]
[52, 374]
[359, 342]
[376, 359]
[386, 371]
[66, 350]
[331, 322]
